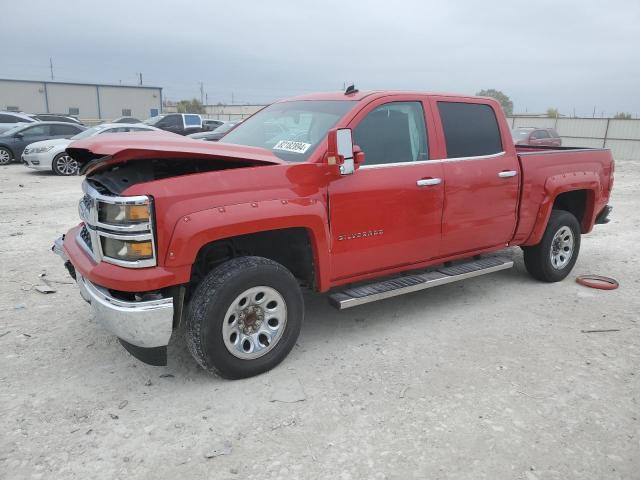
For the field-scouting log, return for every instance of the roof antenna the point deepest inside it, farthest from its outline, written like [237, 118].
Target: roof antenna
[351, 89]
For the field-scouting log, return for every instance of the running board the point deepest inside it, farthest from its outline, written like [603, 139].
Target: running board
[373, 292]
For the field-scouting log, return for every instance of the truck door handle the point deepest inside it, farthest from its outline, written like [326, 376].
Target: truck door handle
[428, 182]
[508, 174]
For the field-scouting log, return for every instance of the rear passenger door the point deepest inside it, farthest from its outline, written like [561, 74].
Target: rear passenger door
[480, 178]
[387, 213]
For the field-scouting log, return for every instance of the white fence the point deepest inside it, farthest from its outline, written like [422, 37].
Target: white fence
[621, 136]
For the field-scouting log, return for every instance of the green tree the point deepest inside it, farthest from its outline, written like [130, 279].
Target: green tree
[505, 101]
[623, 116]
[190, 106]
[553, 112]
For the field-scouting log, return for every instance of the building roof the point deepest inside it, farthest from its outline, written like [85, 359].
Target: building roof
[52, 82]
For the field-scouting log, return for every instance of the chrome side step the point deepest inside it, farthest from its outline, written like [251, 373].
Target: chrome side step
[373, 292]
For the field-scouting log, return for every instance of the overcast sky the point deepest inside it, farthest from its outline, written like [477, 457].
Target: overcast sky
[565, 54]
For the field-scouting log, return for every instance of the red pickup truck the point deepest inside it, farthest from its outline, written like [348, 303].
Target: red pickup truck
[364, 195]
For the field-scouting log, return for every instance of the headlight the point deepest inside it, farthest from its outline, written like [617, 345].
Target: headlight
[39, 149]
[127, 250]
[123, 214]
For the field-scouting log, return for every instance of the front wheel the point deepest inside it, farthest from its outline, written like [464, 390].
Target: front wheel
[556, 254]
[64, 165]
[244, 317]
[5, 156]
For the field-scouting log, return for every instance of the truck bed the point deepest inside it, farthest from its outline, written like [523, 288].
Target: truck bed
[546, 171]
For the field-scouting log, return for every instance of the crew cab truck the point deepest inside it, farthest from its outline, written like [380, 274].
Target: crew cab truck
[180, 123]
[362, 195]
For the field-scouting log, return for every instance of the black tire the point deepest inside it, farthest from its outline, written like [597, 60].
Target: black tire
[217, 293]
[538, 259]
[64, 165]
[6, 156]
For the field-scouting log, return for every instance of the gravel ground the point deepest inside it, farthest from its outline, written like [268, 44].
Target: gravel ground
[490, 378]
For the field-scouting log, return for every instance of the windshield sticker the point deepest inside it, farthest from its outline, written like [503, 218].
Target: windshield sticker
[291, 146]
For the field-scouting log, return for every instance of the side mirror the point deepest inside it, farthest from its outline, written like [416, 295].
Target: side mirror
[341, 150]
[19, 135]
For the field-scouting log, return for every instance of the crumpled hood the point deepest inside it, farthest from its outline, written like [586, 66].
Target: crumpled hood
[100, 152]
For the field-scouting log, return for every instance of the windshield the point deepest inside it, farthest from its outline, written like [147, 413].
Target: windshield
[520, 133]
[291, 130]
[90, 132]
[154, 120]
[225, 127]
[15, 129]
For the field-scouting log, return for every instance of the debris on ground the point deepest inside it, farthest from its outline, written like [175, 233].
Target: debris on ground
[45, 289]
[604, 330]
[225, 449]
[288, 391]
[167, 375]
[598, 282]
[5, 333]
[15, 234]
[123, 404]
[20, 306]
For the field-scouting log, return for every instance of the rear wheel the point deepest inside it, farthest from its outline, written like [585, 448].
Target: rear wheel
[244, 317]
[5, 156]
[556, 254]
[64, 165]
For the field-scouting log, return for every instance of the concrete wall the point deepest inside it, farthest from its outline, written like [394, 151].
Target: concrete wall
[83, 97]
[94, 102]
[140, 101]
[621, 136]
[27, 97]
[224, 112]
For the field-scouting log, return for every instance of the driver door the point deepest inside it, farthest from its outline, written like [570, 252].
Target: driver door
[388, 212]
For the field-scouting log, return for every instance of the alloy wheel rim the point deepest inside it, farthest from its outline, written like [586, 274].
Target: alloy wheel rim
[4, 157]
[66, 165]
[254, 323]
[562, 247]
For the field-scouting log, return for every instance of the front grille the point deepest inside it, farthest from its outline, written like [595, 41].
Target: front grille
[94, 232]
[86, 237]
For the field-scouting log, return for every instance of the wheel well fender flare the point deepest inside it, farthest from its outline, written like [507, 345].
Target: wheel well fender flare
[554, 187]
[192, 232]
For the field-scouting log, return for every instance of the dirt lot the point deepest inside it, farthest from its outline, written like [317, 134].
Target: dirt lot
[491, 378]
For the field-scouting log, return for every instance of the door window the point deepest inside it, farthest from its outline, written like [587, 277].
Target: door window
[392, 133]
[37, 131]
[470, 129]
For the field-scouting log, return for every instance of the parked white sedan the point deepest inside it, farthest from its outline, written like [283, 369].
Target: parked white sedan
[51, 155]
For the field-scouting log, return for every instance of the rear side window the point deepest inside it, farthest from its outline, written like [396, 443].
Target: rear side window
[470, 129]
[192, 120]
[64, 130]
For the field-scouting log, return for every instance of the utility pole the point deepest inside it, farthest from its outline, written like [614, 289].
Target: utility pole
[206, 99]
[201, 93]
[140, 78]
[51, 67]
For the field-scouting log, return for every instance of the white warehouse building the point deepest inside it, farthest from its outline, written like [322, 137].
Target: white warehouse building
[88, 101]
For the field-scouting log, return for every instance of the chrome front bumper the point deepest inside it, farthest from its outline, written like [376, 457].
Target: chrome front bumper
[144, 324]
